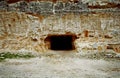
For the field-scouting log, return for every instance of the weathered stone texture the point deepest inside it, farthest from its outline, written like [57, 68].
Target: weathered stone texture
[59, 6]
[27, 31]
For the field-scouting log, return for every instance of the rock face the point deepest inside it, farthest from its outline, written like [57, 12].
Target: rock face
[58, 6]
[26, 25]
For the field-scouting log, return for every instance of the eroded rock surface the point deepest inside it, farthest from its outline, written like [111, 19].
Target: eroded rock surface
[24, 24]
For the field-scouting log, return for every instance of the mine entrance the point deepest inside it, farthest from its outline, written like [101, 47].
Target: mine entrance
[61, 42]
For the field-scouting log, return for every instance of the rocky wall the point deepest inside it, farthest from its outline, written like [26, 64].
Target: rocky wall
[46, 7]
[22, 31]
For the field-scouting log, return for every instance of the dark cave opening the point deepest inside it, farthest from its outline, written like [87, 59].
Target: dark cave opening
[61, 42]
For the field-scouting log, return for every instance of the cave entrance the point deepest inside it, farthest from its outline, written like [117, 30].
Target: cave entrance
[61, 42]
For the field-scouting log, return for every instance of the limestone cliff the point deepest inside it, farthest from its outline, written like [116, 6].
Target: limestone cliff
[26, 24]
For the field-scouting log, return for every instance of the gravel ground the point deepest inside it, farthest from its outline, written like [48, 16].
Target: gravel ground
[63, 65]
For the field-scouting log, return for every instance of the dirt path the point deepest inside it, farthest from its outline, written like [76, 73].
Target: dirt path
[56, 66]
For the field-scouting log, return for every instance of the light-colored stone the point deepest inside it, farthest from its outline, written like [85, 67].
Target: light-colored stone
[19, 30]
